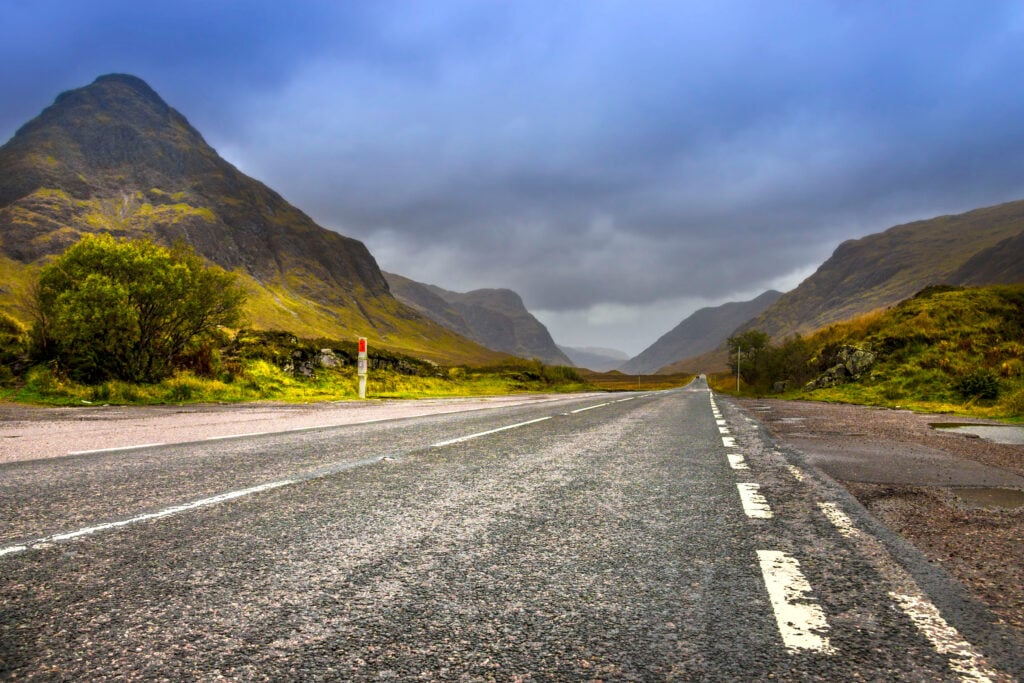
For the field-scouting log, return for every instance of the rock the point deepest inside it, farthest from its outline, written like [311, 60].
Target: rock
[851, 363]
[328, 359]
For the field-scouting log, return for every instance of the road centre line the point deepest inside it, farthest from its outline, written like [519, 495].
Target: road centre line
[166, 512]
[969, 664]
[117, 448]
[213, 500]
[582, 410]
[460, 439]
[800, 619]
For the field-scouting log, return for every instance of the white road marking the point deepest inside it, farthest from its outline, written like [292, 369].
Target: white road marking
[460, 439]
[582, 410]
[723, 430]
[963, 657]
[720, 422]
[166, 512]
[729, 441]
[117, 448]
[800, 619]
[839, 519]
[796, 472]
[754, 504]
[736, 461]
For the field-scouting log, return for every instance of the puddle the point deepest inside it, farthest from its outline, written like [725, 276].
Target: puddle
[1006, 434]
[990, 497]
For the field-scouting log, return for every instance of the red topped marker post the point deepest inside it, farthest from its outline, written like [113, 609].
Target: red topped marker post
[361, 367]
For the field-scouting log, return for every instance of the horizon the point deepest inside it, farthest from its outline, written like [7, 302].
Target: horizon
[618, 167]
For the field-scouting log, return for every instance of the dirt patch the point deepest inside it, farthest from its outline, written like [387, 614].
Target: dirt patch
[980, 546]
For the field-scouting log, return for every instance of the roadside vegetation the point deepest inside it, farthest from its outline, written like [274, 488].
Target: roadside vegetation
[132, 322]
[947, 349]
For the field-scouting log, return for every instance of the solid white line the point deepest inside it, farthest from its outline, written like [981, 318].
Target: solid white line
[754, 504]
[736, 461]
[963, 658]
[800, 619]
[166, 512]
[460, 439]
[583, 410]
[117, 448]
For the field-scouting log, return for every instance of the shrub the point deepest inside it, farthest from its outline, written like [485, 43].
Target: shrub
[983, 384]
[130, 310]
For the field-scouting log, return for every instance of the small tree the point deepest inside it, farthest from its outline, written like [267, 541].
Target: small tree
[744, 350]
[109, 309]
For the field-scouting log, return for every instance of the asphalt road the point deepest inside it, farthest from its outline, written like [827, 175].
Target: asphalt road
[621, 537]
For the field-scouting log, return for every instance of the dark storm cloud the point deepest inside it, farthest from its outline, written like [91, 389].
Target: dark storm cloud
[619, 164]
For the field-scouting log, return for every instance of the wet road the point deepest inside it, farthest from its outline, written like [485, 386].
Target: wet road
[620, 537]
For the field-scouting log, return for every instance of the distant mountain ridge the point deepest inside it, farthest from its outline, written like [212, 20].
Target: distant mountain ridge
[980, 247]
[495, 318]
[114, 157]
[595, 358]
[701, 332]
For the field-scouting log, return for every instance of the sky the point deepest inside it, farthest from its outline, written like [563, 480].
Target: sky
[618, 164]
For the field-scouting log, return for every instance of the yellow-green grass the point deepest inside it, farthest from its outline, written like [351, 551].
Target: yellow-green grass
[260, 380]
[925, 346]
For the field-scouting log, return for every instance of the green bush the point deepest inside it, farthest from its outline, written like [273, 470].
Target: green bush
[983, 384]
[130, 310]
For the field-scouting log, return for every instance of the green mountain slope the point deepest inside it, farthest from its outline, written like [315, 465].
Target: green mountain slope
[943, 349]
[114, 157]
[495, 318]
[884, 268]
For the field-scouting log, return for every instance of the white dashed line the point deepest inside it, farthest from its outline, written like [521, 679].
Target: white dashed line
[800, 619]
[117, 448]
[729, 441]
[723, 430]
[796, 472]
[736, 461]
[754, 504]
[460, 439]
[583, 410]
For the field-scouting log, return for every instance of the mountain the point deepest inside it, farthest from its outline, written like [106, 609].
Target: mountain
[495, 318]
[114, 157]
[980, 247]
[701, 332]
[594, 357]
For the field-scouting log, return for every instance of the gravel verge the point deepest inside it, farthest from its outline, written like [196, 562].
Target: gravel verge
[876, 454]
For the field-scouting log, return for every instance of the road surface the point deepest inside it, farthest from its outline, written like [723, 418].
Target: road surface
[657, 536]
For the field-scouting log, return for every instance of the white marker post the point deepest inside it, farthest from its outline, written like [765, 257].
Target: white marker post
[361, 367]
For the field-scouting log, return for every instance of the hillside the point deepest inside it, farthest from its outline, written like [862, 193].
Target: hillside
[984, 246]
[945, 349]
[114, 157]
[701, 332]
[595, 357]
[495, 318]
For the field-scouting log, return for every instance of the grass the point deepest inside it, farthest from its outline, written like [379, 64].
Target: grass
[936, 353]
[258, 366]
